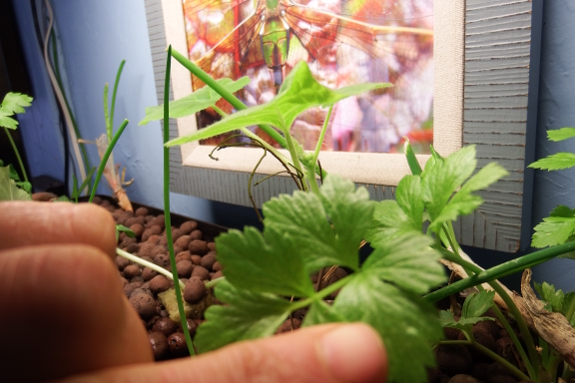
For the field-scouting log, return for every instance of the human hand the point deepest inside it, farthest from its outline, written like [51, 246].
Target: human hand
[69, 316]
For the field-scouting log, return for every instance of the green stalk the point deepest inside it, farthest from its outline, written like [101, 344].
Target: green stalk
[321, 294]
[116, 83]
[312, 169]
[499, 271]
[226, 95]
[106, 157]
[17, 155]
[295, 159]
[167, 215]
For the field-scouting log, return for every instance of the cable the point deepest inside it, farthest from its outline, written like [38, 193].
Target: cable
[60, 97]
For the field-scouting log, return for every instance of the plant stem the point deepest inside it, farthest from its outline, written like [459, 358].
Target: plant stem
[533, 356]
[106, 157]
[321, 294]
[229, 97]
[499, 271]
[295, 159]
[17, 155]
[167, 215]
[145, 263]
[116, 83]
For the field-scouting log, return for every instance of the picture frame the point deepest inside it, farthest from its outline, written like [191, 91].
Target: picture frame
[486, 63]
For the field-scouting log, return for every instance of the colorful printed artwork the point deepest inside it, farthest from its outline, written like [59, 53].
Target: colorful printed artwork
[344, 42]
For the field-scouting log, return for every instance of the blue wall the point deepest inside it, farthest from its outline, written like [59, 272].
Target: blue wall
[96, 35]
[556, 109]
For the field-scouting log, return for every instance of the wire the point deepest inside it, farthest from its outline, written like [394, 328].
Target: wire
[60, 97]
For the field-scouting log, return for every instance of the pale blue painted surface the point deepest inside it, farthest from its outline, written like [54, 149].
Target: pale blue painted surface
[556, 110]
[97, 35]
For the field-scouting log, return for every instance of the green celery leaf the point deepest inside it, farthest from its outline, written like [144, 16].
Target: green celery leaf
[303, 218]
[6, 121]
[247, 316]
[407, 324]
[27, 186]
[555, 229]
[124, 229]
[408, 262]
[442, 178]
[408, 196]
[477, 304]
[9, 191]
[447, 320]
[557, 161]
[199, 100]
[388, 221]
[15, 103]
[268, 263]
[320, 312]
[299, 92]
[553, 298]
[13, 173]
[560, 134]
[350, 211]
[463, 202]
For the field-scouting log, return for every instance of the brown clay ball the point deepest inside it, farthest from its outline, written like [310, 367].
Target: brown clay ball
[188, 226]
[184, 268]
[197, 246]
[159, 344]
[177, 344]
[196, 234]
[132, 271]
[148, 274]
[195, 290]
[165, 326]
[141, 212]
[201, 272]
[183, 255]
[144, 304]
[122, 262]
[162, 260]
[159, 284]
[138, 229]
[183, 241]
[208, 260]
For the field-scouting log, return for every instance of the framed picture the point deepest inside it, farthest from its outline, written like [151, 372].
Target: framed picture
[465, 72]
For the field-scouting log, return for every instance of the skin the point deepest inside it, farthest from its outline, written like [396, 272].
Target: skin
[65, 316]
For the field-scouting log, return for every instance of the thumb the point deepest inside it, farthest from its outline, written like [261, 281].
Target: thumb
[351, 353]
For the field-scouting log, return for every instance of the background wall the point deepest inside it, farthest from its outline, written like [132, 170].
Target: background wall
[556, 110]
[96, 35]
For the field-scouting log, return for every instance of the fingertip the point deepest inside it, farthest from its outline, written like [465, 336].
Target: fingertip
[97, 224]
[354, 353]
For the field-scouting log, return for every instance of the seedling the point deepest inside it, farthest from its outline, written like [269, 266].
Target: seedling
[14, 103]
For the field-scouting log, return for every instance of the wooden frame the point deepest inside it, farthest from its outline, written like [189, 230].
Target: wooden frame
[486, 57]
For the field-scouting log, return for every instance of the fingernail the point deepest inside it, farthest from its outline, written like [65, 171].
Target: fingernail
[354, 353]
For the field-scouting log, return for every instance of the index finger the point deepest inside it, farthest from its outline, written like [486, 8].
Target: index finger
[37, 223]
